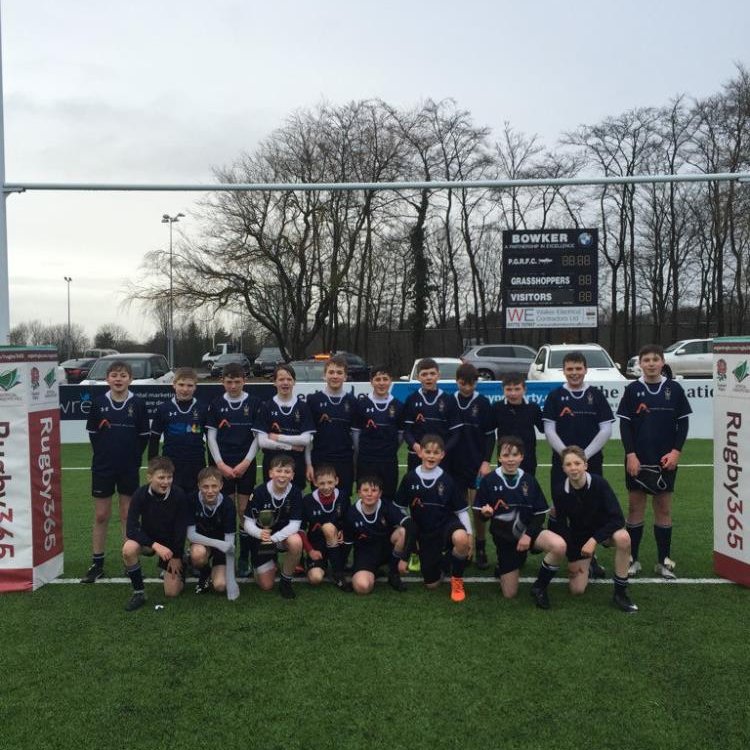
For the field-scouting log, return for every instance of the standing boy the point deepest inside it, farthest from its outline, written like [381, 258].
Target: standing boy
[429, 411]
[156, 526]
[210, 530]
[654, 416]
[378, 531]
[182, 421]
[440, 517]
[514, 503]
[471, 455]
[232, 443]
[273, 517]
[118, 430]
[378, 431]
[577, 414]
[588, 514]
[333, 411]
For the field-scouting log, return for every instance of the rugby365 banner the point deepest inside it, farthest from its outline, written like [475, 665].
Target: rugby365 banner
[732, 458]
[31, 544]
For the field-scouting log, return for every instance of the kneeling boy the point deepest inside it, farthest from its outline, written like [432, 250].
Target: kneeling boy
[378, 531]
[273, 517]
[155, 526]
[588, 514]
[210, 531]
[516, 505]
[440, 517]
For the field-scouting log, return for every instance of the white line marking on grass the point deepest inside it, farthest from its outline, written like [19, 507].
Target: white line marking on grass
[406, 579]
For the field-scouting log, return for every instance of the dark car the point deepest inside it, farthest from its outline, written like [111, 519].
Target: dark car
[77, 369]
[266, 361]
[226, 359]
[357, 369]
[495, 360]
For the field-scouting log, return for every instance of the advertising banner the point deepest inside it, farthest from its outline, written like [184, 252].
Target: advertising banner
[732, 458]
[31, 546]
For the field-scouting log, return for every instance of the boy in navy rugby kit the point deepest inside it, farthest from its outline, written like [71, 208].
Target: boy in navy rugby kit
[182, 421]
[333, 412]
[378, 431]
[156, 526]
[471, 455]
[323, 513]
[211, 523]
[285, 425]
[273, 518]
[429, 411]
[118, 429]
[232, 444]
[577, 414]
[514, 503]
[654, 416]
[588, 514]
[379, 533]
[440, 517]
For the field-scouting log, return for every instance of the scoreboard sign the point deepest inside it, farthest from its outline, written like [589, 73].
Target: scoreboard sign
[550, 278]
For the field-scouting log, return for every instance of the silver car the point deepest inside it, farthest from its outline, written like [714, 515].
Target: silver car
[495, 360]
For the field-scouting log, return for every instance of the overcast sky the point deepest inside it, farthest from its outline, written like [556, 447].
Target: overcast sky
[149, 91]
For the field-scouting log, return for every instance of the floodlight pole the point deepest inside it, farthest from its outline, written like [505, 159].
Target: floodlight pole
[167, 219]
[4, 281]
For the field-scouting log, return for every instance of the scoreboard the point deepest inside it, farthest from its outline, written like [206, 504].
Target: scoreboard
[550, 278]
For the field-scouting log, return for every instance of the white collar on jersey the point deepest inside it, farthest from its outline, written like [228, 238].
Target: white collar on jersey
[112, 403]
[427, 475]
[209, 510]
[275, 497]
[368, 516]
[519, 474]
[649, 386]
[568, 485]
[438, 393]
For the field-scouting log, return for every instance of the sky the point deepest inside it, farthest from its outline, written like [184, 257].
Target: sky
[162, 91]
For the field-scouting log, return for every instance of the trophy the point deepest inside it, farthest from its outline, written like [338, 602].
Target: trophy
[266, 519]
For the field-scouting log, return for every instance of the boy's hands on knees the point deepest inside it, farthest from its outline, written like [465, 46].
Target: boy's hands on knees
[633, 465]
[164, 552]
[523, 543]
[589, 548]
[174, 566]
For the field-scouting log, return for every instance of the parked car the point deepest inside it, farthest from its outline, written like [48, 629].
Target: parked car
[148, 368]
[98, 353]
[309, 370]
[495, 360]
[691, 358]
[357, 369]
[447, 365]
[226, 359]
[210, 357]
[549, 362]
[266, 361]
[77, 369]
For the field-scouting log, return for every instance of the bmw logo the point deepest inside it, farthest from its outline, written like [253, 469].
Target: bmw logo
[585, 239]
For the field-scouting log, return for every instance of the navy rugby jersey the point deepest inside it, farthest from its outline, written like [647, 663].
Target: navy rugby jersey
[183, 424]
[375, 528]
[158, 518]
[432, 502]
[118, 433]
[477, 435]
[213, 521]
[284, 420]
[379, 424]
[650, 416]
[285, 509]
[432, 413]
[577, 414]
[315, 513]
[234, 422]
[333, 417]
[514, 499]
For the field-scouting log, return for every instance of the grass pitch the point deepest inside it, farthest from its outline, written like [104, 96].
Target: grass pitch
[411, 670]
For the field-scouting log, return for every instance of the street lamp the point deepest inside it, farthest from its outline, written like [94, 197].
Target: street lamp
[167, 219]
[68, 279]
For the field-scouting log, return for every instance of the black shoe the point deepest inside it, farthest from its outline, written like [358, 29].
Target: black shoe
[622, 601]
[285, 589]
[480, 560]
[596, 570]
[94, 573]
[204, 583]
[395, 582]
[135, 602]
[340, 582]
[540, 597]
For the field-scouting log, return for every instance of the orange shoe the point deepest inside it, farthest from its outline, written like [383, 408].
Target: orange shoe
[457, 589]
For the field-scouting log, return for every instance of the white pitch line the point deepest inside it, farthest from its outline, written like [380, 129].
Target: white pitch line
[478, 579]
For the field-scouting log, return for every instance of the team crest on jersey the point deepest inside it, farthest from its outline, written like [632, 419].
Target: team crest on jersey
[667, 393]
[440, 489]
[297, 417]
[391, 411]
[382, 522]
[525, 489]
[590, 398]
[195, 414]
[475, 410]
[346, 407]
[130, 411]
[246, 410]
[441, 407]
